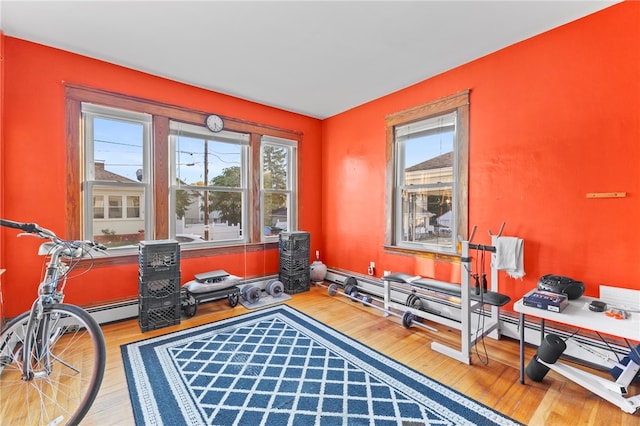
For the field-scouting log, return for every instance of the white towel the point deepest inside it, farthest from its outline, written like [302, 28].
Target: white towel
[510, 256]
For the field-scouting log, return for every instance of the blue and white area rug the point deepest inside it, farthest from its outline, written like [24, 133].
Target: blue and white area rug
[278, 366]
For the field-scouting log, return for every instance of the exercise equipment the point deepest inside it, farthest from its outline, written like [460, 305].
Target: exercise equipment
[207, 286]
[467, 300]
[548, 352]
[274, 288]
[350, 290]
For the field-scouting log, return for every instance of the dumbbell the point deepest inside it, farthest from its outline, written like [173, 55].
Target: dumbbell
[408, 318]
[351, 289]
[275, 288]
[251, 294]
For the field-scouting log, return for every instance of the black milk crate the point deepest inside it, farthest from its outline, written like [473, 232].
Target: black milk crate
[152, 319]
[294, 265]
[158, 286]
[297, 283]
[294, 244]
[149, 303]
[159, 256]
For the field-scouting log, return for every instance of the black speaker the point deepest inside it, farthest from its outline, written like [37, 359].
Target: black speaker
[559, 284]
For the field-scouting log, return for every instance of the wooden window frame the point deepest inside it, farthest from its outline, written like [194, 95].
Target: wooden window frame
[458, 102]
[162, 114]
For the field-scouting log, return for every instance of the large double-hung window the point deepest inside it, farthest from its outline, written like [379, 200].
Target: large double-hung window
[428, 192]
[278, 184]
[210, 183]
[144, 170]
[116, 175]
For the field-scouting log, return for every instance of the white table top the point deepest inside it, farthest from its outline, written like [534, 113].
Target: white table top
[577, 314]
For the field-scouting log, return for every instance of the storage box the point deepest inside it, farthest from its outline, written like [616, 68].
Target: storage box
[152, 319]
[549, 301]
[294, 244]
[295, 283]
[158, 256]
[162, 287]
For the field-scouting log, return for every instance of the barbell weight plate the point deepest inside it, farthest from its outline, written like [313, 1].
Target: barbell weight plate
[333, 290]
[366, 299]
[348, 289]
[354, 295]
[407, 319]
[275, 288]
[251, 294]
[416, 303]
[410, 299]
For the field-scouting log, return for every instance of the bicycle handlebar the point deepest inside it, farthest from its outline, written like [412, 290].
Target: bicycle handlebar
[33, 228]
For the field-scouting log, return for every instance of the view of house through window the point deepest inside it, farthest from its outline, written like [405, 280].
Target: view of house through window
[210, 183]
[193, 185]
[428, 192]
[425, 180]
[278, 188]
[116, 143]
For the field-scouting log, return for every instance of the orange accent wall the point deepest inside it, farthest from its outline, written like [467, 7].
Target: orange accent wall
[1, 175]
[552, 118]
[34, 165]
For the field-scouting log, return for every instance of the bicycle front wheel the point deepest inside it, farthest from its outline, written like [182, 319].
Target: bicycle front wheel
[65, 368]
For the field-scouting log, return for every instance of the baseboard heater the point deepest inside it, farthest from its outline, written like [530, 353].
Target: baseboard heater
[585, 347]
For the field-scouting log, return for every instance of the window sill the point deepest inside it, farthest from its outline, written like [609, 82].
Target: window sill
[444, 257]
[129, 257]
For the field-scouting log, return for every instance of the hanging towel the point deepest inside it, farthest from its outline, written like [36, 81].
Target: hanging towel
[510, 256]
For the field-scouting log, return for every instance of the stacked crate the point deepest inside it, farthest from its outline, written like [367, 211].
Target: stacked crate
[294, 261]
[159, 303]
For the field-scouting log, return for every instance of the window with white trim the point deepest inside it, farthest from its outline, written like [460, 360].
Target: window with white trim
[278, 158]
[116, 175]
[209, 183]
[428, 193]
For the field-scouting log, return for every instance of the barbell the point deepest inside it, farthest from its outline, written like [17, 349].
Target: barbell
[351, 291]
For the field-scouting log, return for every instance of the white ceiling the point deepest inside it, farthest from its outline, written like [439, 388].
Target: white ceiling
[317, 58]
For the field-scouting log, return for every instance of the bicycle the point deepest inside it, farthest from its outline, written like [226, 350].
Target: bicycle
[52, 357]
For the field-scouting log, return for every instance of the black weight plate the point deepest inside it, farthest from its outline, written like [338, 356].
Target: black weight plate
[333, 290]
[407, 319]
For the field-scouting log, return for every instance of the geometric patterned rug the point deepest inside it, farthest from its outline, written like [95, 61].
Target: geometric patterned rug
[278, 366]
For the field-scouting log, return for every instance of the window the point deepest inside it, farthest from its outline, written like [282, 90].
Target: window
[428, 199]
[116, 146]
[210, 183]
[145, 170]
[278, 165]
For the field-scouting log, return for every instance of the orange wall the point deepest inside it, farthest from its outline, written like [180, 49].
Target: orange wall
[1, 175]
[34, 164]
[553, 118]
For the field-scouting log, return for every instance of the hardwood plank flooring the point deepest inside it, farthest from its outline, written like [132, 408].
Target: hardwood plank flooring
[554, 401]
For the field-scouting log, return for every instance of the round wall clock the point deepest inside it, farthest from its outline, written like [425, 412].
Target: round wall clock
[214, 123]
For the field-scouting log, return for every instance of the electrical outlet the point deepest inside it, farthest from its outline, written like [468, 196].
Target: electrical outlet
[371, 268]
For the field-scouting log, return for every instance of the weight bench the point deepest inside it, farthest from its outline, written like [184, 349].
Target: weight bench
[484, 296]
[467, 299]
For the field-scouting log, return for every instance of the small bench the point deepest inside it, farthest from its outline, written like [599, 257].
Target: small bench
[489, 297]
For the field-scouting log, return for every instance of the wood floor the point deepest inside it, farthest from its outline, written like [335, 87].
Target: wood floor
[554, 401]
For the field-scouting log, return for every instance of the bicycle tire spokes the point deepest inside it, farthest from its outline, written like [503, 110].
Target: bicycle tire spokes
[67, 366]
